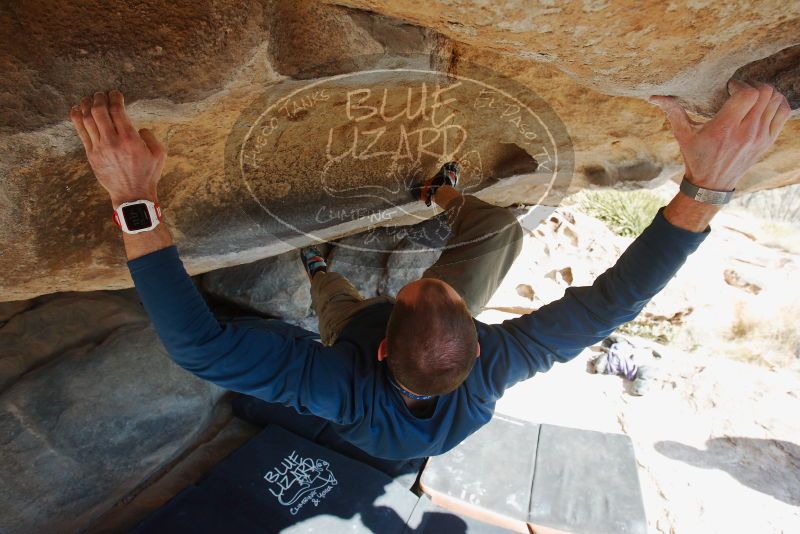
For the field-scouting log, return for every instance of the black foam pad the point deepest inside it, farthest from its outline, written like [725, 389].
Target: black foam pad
[586, 481]
[197, 511]
[491, 470]
[563, 478]
[279, 482]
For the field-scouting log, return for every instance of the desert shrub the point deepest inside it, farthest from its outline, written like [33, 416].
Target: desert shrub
[742, 326]
[773, 341]
[661, 331]
[626, 213]
[780, 204]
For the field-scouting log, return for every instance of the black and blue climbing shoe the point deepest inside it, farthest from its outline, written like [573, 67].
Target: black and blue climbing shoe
[449, 174]
[313, 261]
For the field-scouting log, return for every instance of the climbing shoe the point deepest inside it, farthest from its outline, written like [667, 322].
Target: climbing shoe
[447, 175]
[313, 261]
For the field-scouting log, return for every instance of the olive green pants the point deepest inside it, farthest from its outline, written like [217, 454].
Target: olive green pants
[484, 242]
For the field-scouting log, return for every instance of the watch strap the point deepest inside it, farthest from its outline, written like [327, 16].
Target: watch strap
[707, 196]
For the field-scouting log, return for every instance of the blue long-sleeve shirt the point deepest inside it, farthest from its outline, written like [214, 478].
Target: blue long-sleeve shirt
[347, 385]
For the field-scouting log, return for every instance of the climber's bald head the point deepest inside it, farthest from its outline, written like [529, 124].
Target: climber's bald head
[427, 287]
[431, 341]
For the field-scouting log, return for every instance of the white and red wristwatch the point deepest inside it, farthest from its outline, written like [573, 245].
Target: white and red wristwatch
[137, 216]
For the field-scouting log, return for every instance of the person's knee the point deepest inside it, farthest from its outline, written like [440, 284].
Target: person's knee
[325, 286]
[504, 226]
[324, 278]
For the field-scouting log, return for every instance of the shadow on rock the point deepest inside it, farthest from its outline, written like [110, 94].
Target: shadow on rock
[769, 466]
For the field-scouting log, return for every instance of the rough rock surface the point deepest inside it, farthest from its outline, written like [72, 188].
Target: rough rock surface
[201, 73]
[276, 286]
[100, 410]
[189, 470]
[12, 308]
[683, 47]
[407, 263]
[362, 260]
[45, 329]
[377, 262]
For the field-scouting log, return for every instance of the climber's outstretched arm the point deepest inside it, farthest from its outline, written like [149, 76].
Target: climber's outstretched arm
[716, 153]
[584, 316]
[262, 362]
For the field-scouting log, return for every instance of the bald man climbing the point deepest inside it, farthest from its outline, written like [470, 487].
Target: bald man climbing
[414, 378]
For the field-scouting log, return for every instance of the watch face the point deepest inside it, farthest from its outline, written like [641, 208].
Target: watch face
[137, 217]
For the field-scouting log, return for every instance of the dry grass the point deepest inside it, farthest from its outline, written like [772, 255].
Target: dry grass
[780, 204]
[743, 325]
[661, 331]
[626, 213]
[784, 235]
[774, 342]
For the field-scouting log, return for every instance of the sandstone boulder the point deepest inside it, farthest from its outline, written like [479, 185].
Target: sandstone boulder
[407, 263]
[12, 308]
[681, 48]
[275, 286]
[377, 262]
[266, 109]
[362, 258]
[46, 329]
[91, 427]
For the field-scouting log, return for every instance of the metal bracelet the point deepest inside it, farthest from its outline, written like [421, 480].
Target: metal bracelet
[707, 196]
